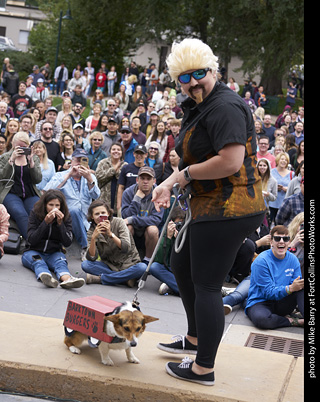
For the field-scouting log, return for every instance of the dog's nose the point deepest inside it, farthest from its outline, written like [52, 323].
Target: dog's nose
[133, 343]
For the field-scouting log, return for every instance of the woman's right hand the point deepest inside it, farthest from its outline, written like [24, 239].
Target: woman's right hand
[161, 197]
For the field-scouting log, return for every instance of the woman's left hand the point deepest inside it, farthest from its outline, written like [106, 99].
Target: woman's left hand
[30, 158]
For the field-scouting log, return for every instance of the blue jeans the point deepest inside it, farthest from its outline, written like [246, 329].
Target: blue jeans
[19, 210]
[55, 262]
[109, 277]
[60, 87]
[271, 314]
[89, 87]
[165, 275]
[239, 295]
[78, 228]
[111, 87]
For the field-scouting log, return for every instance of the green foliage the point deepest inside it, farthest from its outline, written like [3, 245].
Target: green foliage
[22, 62]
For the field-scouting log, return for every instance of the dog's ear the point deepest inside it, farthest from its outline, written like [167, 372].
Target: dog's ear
[113, 318]
[149, 318]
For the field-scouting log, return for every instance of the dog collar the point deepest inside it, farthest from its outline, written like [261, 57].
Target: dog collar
[116, 339]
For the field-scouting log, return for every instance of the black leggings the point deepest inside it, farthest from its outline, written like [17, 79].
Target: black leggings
[200, 269]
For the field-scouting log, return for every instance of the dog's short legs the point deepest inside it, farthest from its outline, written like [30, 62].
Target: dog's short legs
[131, 357]
[104, 353]
[75, 350]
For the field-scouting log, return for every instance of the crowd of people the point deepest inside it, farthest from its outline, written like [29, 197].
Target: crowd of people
[64, 176]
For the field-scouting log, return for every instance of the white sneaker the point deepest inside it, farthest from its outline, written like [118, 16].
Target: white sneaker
[72, 283]
[48, 280]
[164, 288]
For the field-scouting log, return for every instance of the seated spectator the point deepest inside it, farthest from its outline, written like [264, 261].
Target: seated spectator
[76, 80]
[113, 111]
[66, 109]
[26, 121]
[102, 124]
[12, 127]
[19, 175]
[283, 176]
[76, 114]
[79, 187]
[53, 148]
[137, 98]
[40, 92]
[139, 212]
[160, 268]
[268, 128]
[170, 166]
[175, 108]
[138, 112]
[4, 117]
[78, 98]
[112, 257]
[50, 116]
[47, 166]
[67, 148]
[66, 124]
[93, 120]
[96, 154]
[138, 135]
[149, 127]
[263, 152]
[108, 173]
[128, 143]
[276, 285]
[111, 135]
[175, 126]
[298, 132]
[166, 113]
[296, 233]
[294, 186]
[123, 97]
[153, 160]
[21, 102]
[49, 230]
[129, 172]
[159, 135]
[250, 101]
[291, 207]
[299, 156]
[269, 185]
[3, 141]
[4, 227]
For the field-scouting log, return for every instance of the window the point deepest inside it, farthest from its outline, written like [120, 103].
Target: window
[3, 4]
[23, 37]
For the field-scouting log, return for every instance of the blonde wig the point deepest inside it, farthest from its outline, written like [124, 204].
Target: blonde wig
[190, 54]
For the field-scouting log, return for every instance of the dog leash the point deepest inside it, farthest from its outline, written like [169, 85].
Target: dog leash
[181, 197]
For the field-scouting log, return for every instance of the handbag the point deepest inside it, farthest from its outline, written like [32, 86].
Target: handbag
[12, 245]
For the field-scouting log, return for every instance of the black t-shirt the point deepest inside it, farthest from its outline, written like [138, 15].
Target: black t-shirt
[128, 175]
[20, 103]
[222, 118]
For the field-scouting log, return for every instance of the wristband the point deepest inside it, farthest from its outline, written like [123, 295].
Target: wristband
[288, 291]
[187, 175]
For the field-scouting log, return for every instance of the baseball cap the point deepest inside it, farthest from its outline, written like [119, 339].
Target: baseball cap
[125, 128]
[140, 148]
[79, 152]
[112, 120]
[77, 125]
[51, 109]
[40, 80]
[35, 67]
[64, 93]
[154, 112]
[146, 170]
[154, 144]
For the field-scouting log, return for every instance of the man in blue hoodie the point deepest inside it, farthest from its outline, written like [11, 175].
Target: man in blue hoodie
[276, 285]
[139, 212]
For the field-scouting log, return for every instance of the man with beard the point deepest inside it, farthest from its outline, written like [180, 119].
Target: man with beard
[21, 101]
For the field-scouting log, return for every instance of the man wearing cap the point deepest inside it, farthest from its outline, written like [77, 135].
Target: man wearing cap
[128, 143]
[111, 136]
[139, 212]
[129, 173]
[79, 187]
[36, 75]
[137, 134]
[21, 101]
[79, 140]
[50, 116]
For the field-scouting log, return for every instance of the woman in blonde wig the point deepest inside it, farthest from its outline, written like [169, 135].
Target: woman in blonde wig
[217, 147]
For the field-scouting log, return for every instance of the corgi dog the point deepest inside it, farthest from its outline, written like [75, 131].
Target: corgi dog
[125, 325]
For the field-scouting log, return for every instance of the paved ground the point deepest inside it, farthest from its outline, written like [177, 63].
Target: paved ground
[21, 293]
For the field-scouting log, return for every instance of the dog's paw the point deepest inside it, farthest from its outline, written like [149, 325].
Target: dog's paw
[75, 350]
[107, 361]
[132, 358]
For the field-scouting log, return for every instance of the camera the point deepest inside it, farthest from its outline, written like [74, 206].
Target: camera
[179, 225]
[84, 161]
[26, 150]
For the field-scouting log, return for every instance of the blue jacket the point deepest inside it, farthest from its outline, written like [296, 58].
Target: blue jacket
[270, 276]
[129, 157]
[140, 212]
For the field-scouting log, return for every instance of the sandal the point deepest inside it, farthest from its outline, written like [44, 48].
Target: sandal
[295, 322]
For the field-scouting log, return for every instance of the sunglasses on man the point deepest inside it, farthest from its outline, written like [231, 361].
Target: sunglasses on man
[279, 238]
[197, 75]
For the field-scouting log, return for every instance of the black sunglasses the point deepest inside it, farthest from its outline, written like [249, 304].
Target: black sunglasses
[279, 238]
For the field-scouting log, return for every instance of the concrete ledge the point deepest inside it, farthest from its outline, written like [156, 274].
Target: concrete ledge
[34, 359]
